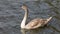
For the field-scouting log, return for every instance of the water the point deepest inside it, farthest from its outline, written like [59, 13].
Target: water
[11, 16]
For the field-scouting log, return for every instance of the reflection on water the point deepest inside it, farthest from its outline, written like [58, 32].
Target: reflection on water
[35, 31]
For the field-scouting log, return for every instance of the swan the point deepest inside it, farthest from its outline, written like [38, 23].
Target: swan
[33, 24]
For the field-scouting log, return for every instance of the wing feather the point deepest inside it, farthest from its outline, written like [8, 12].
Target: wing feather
[35, 23]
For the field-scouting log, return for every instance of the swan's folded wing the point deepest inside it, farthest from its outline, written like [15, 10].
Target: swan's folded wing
[36, 22]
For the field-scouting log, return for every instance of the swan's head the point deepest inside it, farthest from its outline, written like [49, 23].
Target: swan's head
[24, 7]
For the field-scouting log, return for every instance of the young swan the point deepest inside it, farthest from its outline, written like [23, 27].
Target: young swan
[35, 23]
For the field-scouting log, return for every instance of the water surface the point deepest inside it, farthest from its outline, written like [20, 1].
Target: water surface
[11, 16]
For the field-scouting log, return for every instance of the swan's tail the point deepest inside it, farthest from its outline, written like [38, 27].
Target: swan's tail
[48, 20]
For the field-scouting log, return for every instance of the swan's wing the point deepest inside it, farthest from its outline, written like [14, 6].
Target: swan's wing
[35, 23]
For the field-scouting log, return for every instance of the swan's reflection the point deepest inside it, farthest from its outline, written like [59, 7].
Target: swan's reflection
[23, 31]
[35, 31]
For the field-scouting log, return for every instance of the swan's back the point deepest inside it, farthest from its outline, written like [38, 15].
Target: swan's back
[35, 23]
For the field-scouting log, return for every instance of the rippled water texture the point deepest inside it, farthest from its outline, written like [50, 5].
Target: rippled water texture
[11, 16]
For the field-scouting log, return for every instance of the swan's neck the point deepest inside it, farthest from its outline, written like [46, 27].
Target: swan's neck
[24, 19]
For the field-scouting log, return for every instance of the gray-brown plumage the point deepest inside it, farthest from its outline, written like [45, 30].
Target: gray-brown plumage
[35, 23]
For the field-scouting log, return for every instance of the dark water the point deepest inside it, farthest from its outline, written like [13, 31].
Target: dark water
[11, 16]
